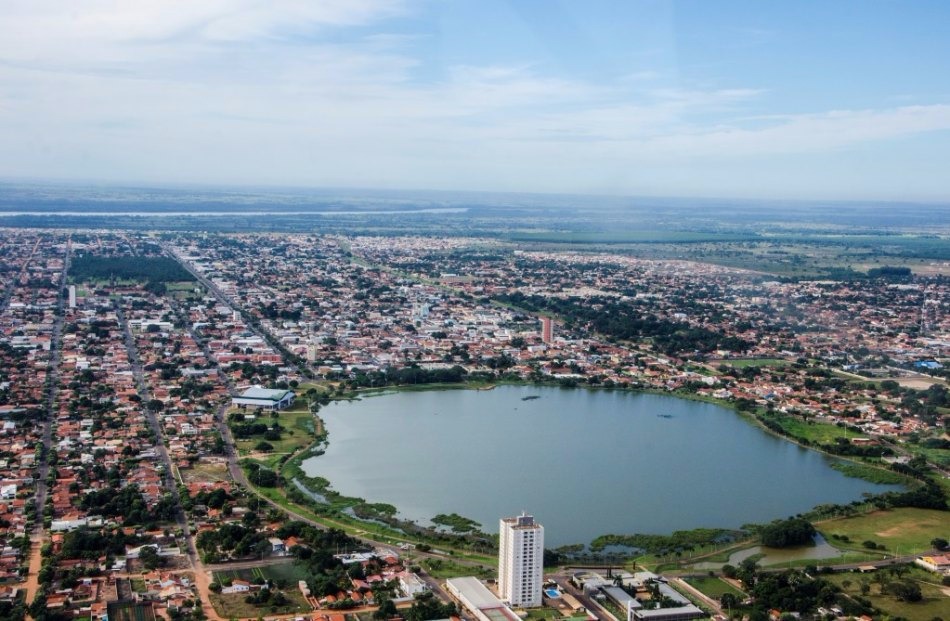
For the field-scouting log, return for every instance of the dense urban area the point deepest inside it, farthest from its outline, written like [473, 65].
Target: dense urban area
[158, 392]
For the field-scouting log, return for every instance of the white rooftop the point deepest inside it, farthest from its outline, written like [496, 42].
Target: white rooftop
[475, 592]
[259, 392]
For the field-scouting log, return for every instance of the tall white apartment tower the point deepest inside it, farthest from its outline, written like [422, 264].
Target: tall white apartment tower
[520, 561]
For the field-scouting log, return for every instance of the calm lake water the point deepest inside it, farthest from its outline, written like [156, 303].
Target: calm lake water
[585, 463]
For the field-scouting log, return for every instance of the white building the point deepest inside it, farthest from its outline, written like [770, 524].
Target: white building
[520, 561]
[478, 600]
[259, 397]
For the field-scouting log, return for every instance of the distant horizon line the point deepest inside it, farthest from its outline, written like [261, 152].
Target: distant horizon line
[249, 188]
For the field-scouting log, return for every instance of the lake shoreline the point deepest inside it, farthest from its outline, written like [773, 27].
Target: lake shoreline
[396, 390]
[865, 474]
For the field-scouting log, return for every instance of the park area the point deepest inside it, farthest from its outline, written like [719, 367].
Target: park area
[901, 531]
[255, 436]
[713, 586]
[934, 602]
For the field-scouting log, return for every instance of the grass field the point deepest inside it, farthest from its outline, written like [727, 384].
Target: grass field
[714, 587]
[870, 473]
[937, 456]
[821, 433]
[756, 362]
[444, 568]
[299, 428]
[905, 530]
[540, 614]
[936, 602]
[284, 575]
[628, 237]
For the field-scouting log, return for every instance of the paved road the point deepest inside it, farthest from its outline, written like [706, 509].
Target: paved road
[202, 579]
[234, 468]
[38, 535]
[224, 299]
[563, 580]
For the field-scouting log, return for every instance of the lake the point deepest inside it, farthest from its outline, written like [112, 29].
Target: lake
[584, 462]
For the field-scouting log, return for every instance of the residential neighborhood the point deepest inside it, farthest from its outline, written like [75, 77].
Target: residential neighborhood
[153, 386]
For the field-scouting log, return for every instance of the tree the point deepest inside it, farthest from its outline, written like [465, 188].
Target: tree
[386, 610]
[747, 572]
[905, 591]
[150, 558]
[728, 600]
[940, 544]
[426, 606]
[786, 533]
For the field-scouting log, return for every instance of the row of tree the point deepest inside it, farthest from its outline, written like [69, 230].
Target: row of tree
[627, 321]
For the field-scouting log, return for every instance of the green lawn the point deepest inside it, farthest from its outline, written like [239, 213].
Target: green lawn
[756, 362]
[299, 426]
[444, 568]
[935, 603]
[182, 286]
[905, 530]
[540, 614]
[714, 587]
[284, 575]
[871, 473]
[820, 433]
[252, 574]
[937, 456]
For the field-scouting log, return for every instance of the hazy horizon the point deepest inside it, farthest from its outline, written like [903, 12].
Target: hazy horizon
[784, 101]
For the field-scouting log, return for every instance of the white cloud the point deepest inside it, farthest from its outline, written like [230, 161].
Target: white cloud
[255, 91]
[808, 132]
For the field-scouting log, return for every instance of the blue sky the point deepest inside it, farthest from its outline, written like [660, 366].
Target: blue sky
[835, 100]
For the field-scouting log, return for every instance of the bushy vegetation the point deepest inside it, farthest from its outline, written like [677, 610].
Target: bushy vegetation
[258, 475]
[149, 269]
[680, 540]
[456, 522]
[127, 504]
[787, 533]
[801, 591]
[407, 376]
[624, 320]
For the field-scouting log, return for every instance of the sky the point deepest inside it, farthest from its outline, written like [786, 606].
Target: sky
[794, 100]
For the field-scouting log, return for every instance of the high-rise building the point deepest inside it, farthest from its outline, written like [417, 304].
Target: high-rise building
[547, 330]
[520, 560]
[72, 296]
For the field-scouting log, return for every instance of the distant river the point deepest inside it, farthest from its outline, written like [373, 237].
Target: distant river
[217, 213]
[584, 462]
